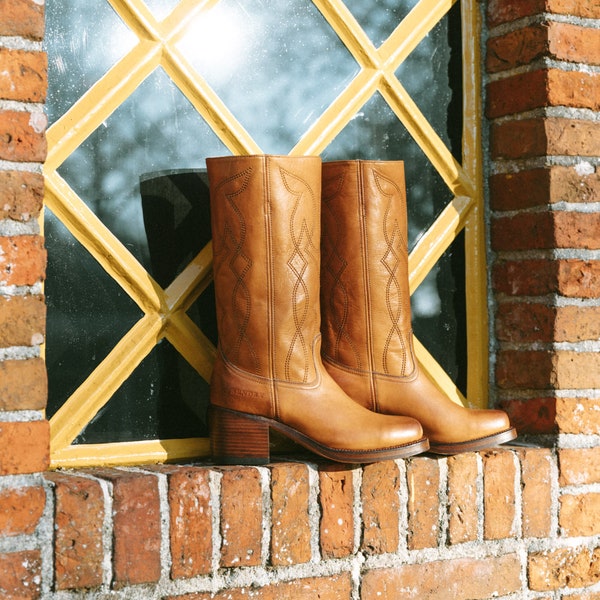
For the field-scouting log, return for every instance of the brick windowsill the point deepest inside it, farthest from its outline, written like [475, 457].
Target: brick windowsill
[472, 523]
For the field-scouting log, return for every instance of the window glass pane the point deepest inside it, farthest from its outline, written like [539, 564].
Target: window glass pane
[164, 398]
[156, 128]
[84, 39]
[432, 75]
[381, 17]
[88, 313]
[161, 8]
[276, 70]
[439, 316]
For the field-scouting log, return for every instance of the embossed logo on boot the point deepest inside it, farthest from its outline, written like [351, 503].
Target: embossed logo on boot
[244, 393]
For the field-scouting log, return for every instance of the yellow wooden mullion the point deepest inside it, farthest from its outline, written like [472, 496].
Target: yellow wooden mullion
[191, 343]
[208, 103]
[411, 31]
[178, 21]
[146, 452]
[434, 242]
[138, 18]
[110, 253]
[475, 255]
[104, 381]
[344, 24]
[100, 101]
[338, 114]
[426, 137]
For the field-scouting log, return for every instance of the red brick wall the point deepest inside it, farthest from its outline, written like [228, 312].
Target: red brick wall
[543, 101]
[514, 522]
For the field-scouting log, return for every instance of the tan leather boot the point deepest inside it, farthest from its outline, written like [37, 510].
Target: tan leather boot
[266, 223]
[367, 335]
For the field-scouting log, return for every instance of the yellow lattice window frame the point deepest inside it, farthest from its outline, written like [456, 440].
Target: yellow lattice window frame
[165, 309]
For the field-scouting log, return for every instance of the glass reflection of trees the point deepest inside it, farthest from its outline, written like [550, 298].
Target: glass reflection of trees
[277, 72]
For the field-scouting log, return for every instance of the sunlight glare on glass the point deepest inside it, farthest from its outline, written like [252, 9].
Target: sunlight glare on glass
[217, 42]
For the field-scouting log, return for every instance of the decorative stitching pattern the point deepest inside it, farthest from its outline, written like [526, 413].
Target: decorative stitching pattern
[395, 255]
[232, 245]
[335, 265]
[303, 252]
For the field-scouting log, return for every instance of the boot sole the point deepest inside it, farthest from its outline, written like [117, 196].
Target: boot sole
[472, 445]
[241, 438]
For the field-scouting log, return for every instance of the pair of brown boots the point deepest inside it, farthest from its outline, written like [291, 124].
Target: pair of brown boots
[309, 253]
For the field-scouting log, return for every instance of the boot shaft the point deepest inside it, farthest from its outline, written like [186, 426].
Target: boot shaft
[364, 281]
[265, 214]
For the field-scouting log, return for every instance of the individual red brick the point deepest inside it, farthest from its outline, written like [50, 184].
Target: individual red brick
[190, 513]
[561, 369]
[22, 260]
[136, 526]
[336, 497]
[22, 18]
[523, 138]
[22, 320]
[578, 415]
[577, 323]
[563, 568]
[423, 505]
[23, 384]
[576, 370]
[527, 277]
[20, 575]
[517, 48]
[463, 513]
[537, 228]
[579, 466]
[540, 187]
[503, 11]
[579, 514]
[241, 517]
[381, 506]
[524, 189]
[523, 322]
[574, 184]
[517, 94]
[335, 587]
[573, 88]
[290, 527]
[453, 579]
[543, 230]
[23, 136]
[528, 138]
[22, 195]
[536, 491]
[499, 494]
[531, 415]
[20, 510]
[529, 369]
[574, 8]
[23, 75]
[25, 447]
[585, 596]
[573, 278]
[562, 41]
[579, 278]
[574, 43]
[78, 524]
[572, 137]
